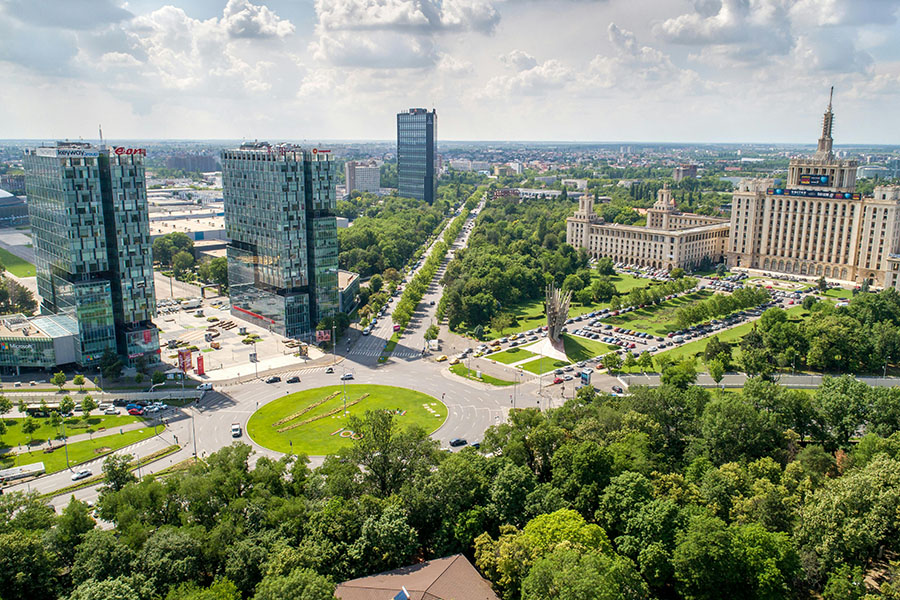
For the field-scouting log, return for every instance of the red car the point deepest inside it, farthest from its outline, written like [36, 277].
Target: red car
[558, 380]
[136, 412]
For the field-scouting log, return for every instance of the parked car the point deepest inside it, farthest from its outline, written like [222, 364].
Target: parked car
[455, 442]
[346, 376]
[78, 475]
[205, 387]
[273, 379]
[111, 411]
[441, 358]
[294, 379]
[136, 412]
[618, 389]
[329, 370]
[557, 380]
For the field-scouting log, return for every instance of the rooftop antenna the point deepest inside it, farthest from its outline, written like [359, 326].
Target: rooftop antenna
[100, 127]
[830, 96]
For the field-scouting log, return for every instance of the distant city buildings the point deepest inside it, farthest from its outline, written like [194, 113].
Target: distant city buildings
[91, 236]
[201, 163]
[682, 171]
[362, 176]
[283, 255]
[670, 239]
[417, 153]
[575, 184]
[14, 184]
[817, 224]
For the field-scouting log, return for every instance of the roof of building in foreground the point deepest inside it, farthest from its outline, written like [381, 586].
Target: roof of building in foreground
[448, 578]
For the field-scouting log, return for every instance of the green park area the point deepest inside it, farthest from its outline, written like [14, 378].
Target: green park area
[657, 319]
[313, 421]
[78, 452]
[16, 265]
[731, 336]
[45, 431]
[544, 365]
[513, 355]
[463, 371]
[530, 315]
[577, 349]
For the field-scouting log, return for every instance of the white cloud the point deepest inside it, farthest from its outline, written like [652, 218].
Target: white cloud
[543, 78]
[846, 12]
[519, 60]
[242, 19]
[407, 15]
[65, 14]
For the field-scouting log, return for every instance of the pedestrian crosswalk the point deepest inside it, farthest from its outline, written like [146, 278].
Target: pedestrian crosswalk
[397, 353]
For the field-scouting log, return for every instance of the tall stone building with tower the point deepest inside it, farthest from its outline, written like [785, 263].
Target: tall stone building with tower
[816, 223]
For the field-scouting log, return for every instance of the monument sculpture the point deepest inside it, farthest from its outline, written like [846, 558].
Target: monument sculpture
[557, 313]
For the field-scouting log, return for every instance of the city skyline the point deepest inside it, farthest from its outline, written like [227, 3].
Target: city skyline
[558, 71]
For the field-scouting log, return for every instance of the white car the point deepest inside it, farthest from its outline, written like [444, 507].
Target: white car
[205, 387]
[77, 475]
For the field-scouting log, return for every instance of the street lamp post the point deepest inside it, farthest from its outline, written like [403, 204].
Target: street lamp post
[66, 444]
[255, 361]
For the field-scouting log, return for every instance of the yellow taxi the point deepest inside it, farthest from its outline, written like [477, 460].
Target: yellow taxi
[454, 361]
[442, 358]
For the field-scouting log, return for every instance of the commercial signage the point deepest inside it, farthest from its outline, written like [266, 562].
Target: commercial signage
[812, 179]
[148, 336]
[184, 360]
[318, 151]
[120, 150]
[19, 347]
[813, 194]
[323, 335]
[66, 152]
[200, 368]
[253, 314]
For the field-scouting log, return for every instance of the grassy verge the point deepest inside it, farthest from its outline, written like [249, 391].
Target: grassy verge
[657, 319]
[543, 365]
[462, 371]
[579, 348]
[322, 436]
[84, 483]
[15, 265]
[14, 435]
[79, 452]
[507, 357]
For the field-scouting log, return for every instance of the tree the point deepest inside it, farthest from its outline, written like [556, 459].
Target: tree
[612, 362]
[117, 472]
[676, 273]
[221, 589]
[388, 454]
[300, 584]
[87, 405]
[66, 405]
[182, 262]
[79, 381]
[630, 362]
[734, 430]
[843, 403]
[71, 527]
[171, 556]
[567, 574]
[501, 321]
[59, 380]
[605, 266]
[681, 375]
[822, 285]
[375, 283]
[720, 270]
[111, 365]
[29, 426]
[139, 378]
[603, 289]
[27, 570]
[158, 377]
[214, 271]
[432, 332]
[716, 370]
[645, 360]
[101, 555]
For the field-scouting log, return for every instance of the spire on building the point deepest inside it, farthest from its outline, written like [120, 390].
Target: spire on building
[825, 142]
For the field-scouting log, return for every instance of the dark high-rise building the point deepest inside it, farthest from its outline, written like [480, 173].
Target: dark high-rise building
[416, 153]
[91, 235]
[283, 255]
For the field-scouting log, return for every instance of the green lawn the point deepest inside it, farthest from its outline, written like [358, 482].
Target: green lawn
[507, 357]
[15, 265]
[322, 436]
[79, 452]
[658, 319]
[839, 293]
[74, 426]
[579, 348]
[530, 315]
[462, 371]
[732, 335]
[544, 365]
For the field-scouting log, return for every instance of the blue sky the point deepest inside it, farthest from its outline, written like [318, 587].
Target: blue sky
[601, 70]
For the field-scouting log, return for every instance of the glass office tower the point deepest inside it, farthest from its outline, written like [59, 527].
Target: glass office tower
[416, 153]
[91, 235]
[279, 215]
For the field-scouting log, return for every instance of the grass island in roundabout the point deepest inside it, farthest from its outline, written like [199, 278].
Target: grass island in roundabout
[313, 421]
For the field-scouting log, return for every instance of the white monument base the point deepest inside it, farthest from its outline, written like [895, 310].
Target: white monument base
[546, 348]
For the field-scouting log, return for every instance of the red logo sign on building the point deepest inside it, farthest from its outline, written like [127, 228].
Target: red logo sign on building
[120, 150]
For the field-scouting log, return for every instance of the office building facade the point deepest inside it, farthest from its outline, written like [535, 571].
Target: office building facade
[362, 176]
[416, 154]
[283, 255]
[91, 234]
[816, 224]
[670, 239]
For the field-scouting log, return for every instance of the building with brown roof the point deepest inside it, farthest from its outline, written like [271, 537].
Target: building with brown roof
[448, 578]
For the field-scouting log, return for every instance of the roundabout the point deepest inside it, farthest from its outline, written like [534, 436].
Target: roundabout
[314, 421]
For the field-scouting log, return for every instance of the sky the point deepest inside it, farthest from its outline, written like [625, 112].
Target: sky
[562, 70]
